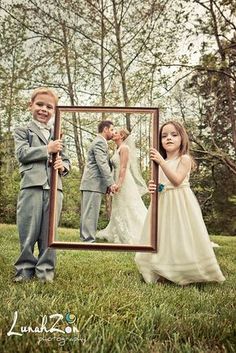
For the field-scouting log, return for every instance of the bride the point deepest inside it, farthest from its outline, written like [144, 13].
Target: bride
[128, 210]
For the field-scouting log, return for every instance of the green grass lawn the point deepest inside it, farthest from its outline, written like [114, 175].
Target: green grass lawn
[115, 310]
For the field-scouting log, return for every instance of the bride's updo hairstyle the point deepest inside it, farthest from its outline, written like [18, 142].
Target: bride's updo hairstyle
[124, 133]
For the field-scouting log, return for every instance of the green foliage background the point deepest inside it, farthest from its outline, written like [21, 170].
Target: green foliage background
[178, 56]
[215, 195]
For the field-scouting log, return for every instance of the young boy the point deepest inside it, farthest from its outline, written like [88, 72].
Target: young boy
[33, 147]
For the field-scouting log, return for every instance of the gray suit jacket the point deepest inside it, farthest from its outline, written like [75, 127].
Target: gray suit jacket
[97, 174]
[31, 153]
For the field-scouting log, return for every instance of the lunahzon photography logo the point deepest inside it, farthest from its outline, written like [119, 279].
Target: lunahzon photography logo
[55, 327]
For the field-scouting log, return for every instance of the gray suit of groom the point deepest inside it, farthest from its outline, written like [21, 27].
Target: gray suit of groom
[97, 177]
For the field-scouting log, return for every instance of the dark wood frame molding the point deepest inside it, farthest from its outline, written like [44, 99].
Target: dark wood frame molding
[52, 242]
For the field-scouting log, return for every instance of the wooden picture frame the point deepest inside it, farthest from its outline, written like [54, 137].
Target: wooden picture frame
[52, 242]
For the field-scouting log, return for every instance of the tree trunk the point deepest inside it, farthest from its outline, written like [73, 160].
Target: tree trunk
[121, 63]
[102, 60]
[72, 98]
[225, 78]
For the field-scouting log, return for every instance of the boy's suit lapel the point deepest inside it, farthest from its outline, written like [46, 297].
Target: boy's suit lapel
[34, 128]
[51, 137]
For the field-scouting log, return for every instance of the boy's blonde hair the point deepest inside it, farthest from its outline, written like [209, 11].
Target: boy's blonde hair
[44, 90]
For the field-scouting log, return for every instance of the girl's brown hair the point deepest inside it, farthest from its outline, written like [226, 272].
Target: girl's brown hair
[185, 144]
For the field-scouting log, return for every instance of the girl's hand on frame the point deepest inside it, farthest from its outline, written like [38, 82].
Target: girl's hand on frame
[155, 156]
[152, 186]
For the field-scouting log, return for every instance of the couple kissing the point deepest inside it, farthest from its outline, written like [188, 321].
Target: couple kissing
[120, 177]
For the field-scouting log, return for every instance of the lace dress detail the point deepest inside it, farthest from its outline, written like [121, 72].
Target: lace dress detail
[128, 210]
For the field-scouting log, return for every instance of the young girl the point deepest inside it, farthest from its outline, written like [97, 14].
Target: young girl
[185, 253]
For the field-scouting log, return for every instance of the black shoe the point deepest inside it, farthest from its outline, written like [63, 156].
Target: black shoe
[21, 278]
[88, 240]
[46, 280]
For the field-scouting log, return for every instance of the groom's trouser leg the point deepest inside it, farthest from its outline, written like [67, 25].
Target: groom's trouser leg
[90, 207]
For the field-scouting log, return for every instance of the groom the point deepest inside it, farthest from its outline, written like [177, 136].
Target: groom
[96, 180]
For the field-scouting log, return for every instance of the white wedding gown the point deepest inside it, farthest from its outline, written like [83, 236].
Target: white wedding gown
[184, 253]
[128, 210]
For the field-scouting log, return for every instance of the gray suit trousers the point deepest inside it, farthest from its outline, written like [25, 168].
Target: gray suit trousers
[32, 221]
[90, 207]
